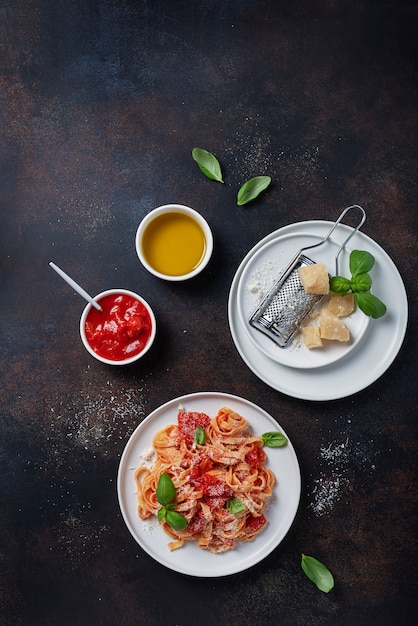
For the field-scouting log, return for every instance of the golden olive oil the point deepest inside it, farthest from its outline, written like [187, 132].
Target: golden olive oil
[174, 244]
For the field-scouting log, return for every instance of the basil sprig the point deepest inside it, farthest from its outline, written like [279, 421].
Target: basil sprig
[235, 506]
[252, 188]
[166, 492]
[318, 573]
[361, 262]
[274, 439]
[208, 164]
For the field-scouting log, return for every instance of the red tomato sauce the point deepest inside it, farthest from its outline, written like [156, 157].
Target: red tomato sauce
[197, 523]
[255, 457]
[201, 464]
[121, 330]
[255, 523]
[216, 491]
[188, 421]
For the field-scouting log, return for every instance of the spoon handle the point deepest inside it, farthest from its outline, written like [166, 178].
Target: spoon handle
[75, 286]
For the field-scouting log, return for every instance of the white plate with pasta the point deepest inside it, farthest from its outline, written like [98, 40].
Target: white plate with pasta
[279, 511]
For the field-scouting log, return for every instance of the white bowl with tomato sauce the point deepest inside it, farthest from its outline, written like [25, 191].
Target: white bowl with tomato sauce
[122, 332]
[174, 242]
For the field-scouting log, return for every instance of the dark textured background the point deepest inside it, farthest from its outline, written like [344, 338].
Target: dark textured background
[101, 104]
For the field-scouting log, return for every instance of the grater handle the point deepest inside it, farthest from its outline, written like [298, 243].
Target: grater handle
[353, 232]
[334, 226]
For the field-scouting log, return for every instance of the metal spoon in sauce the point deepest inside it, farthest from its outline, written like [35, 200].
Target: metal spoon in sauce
[75, 286]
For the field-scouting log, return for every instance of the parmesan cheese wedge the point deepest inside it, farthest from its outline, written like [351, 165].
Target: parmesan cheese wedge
[314, 278]
[311, 337]
[341, 305]
[331, 327]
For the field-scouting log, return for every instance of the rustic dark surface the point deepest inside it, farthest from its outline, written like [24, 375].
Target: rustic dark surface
[101, 104]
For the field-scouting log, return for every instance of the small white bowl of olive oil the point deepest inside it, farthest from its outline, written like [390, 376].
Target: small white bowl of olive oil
[174, 242]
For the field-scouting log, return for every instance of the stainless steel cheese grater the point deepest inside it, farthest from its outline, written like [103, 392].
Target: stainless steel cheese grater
[286, 305]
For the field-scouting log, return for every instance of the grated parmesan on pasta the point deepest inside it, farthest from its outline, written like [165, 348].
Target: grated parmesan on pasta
[229, 465]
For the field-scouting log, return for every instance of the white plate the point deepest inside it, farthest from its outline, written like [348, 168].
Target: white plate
[261, 272]
[364, 365]
[190, 559]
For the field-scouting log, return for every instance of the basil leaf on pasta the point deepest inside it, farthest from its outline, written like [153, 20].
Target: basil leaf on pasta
[200, 435]
[176, 520]
[165, 489]
[235, 506]
[162, 513]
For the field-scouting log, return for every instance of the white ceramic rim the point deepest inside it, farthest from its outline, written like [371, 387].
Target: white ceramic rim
[131, 359]
[175, 208]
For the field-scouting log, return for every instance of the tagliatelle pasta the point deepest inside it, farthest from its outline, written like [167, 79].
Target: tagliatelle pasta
[228, 467]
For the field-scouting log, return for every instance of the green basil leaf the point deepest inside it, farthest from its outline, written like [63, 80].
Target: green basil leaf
[165, 489]
[235, 506]
[339, 284]
[361, 262]
[162, 513]
[361, 282]
[317, 573]
[252, 188]
[176, 520]
[208, 164]
[370, 305]
[274, 439]
[200, 435]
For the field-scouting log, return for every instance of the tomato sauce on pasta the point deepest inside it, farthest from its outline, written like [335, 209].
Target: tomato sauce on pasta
[228, 465]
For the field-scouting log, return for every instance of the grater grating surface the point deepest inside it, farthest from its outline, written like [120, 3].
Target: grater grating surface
[287, 305]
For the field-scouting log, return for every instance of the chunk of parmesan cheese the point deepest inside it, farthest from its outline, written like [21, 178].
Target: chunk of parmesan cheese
[341, 305]
[314, 278]
[311, 337]
[332, 327]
